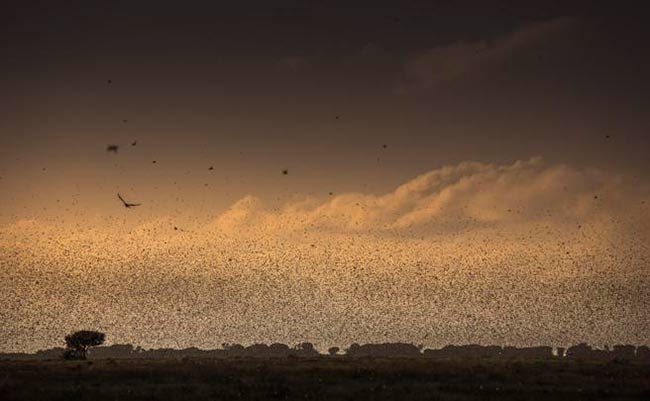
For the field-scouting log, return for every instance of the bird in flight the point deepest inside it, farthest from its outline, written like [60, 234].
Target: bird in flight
[127, 204]
[112, 148]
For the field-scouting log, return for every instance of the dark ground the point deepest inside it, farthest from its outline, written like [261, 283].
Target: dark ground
[323, 378]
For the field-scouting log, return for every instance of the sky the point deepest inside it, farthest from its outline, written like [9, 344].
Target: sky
[431, 172]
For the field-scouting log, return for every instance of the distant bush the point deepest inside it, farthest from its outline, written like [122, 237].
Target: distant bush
[386, 350]
[79, 342]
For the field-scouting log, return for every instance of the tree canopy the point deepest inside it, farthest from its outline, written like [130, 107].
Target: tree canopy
[78, 343]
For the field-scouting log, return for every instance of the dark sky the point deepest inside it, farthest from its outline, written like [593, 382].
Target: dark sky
[319, 89]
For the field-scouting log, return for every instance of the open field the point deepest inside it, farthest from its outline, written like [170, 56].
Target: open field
[321, 379]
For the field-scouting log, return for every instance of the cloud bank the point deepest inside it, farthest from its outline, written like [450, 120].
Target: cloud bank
[458, 60]
[460, 197]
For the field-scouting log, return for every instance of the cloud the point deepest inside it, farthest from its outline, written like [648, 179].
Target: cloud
[457, 60]
[447, 200]
[453, 198]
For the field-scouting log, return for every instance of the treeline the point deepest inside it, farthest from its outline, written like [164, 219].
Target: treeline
[388, 350]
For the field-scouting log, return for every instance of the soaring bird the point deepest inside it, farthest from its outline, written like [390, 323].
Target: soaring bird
[126, 204]
[112, 148]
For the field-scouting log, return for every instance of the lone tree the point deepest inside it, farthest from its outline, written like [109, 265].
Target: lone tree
[78, 343]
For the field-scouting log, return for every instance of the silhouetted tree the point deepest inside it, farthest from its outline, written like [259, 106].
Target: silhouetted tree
[581, 350]
[352, 350]
[78, 343]
[306, 349]
[333, 351]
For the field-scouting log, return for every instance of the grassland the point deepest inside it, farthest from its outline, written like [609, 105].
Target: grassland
[323, 379]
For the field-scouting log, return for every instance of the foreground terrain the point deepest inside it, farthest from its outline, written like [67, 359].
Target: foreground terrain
[321, 379]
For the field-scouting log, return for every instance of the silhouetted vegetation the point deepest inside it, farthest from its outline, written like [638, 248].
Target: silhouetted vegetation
[307, 350]
[78, 343]
[400, 350]
[364, 372]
